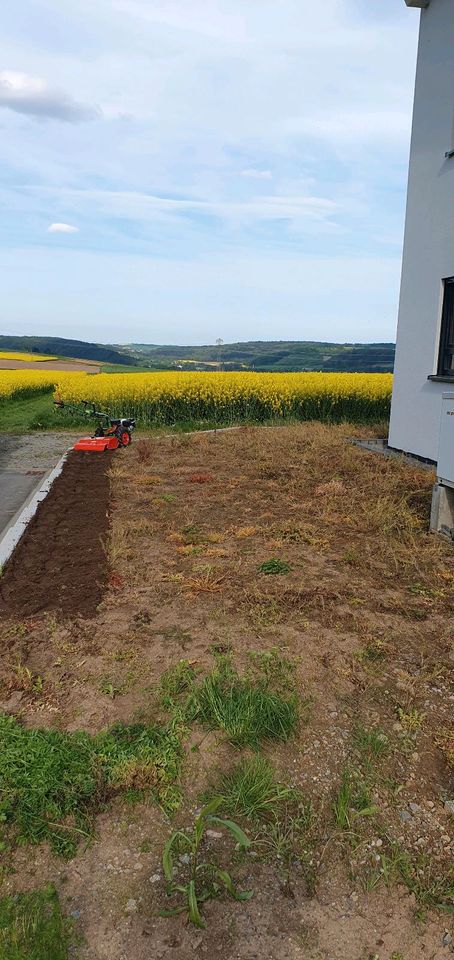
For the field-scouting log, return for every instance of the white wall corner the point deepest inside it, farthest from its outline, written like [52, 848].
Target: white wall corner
[417, 3]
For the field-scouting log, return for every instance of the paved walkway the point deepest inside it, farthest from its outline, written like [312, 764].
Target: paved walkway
[24, 461]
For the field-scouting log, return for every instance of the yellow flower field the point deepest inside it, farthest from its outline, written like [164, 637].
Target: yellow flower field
[27, 383]
[12, 355]
[157, 399]
[168, 397]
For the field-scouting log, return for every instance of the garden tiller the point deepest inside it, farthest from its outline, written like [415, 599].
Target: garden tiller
[109, 434]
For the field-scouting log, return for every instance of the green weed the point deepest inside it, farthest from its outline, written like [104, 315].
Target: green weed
[287, 837]
[375, 649]
[250, 789]
[274, 566]
[283, 819]
[262, 611]
[432, 887]
[32, 927]
[411, 720]
[53, 783]
[352, 800]
[372, 744]
[176, 682]
[110, 688]
[205, 879]
[277, 669]
[26, 680]
[248, 712]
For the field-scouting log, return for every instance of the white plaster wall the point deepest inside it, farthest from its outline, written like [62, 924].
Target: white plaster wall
[429, 238]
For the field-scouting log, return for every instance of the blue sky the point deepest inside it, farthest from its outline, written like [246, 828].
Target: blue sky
[173, 171]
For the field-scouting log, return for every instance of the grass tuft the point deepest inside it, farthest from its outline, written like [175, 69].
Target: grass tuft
[247, 712]
[176, 681]
[371, 743]
[352, 800]
[250, 789]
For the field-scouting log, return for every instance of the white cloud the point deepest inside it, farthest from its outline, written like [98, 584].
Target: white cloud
[33, 96]
[145, 207]
[254, 174]
[62, 228]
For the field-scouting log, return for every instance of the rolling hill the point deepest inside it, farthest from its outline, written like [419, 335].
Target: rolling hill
[269, 356]
[60, 346]
[272, 356]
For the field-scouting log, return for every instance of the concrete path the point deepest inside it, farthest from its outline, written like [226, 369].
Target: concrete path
[24, 461]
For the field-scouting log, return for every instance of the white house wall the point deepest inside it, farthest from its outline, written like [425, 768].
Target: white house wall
[429, 238]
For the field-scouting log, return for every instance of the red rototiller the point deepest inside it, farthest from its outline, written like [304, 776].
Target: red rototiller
[109, 434]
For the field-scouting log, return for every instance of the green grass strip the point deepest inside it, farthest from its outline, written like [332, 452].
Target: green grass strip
[32, 927]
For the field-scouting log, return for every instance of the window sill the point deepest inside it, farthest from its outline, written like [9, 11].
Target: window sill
[441, 378]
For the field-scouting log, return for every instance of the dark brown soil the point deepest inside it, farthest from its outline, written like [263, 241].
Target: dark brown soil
[60, 562]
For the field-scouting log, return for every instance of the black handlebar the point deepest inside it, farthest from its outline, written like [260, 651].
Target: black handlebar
[92, 413]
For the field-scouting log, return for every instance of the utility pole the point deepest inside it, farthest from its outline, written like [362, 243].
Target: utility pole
[219, 343]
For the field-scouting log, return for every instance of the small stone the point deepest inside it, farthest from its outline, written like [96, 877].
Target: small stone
[131, 906]
[354, 897]
[430, 804]
[405, 816]
[213, 834]
[415, 756]
[75, 914]
[185, 858]
[379, 843]
[155, 878]
[449, 806]
[447, 939]
[415, 808]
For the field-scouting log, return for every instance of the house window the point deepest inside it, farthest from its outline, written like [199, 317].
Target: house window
[446, 358]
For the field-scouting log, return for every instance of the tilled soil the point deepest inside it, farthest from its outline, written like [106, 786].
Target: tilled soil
[60, 562]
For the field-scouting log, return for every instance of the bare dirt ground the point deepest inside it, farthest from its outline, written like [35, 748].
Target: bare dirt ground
[78, 366]
[364, 616]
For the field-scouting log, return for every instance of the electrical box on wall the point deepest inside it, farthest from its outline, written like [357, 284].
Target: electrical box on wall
[445, 466]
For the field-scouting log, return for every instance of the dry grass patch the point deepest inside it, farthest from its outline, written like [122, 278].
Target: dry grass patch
[353, 798]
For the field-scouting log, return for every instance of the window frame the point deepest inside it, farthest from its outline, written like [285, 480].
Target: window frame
[446, 341]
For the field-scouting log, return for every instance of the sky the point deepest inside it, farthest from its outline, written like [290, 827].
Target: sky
[174, 171]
